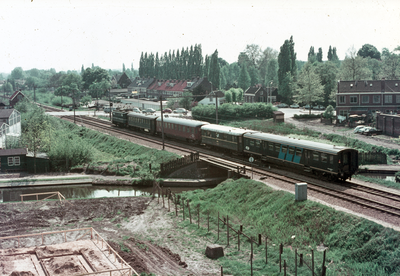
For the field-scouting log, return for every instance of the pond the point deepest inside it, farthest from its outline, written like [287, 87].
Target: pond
[82, 191]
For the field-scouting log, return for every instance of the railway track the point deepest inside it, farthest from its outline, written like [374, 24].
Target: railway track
[365, 196]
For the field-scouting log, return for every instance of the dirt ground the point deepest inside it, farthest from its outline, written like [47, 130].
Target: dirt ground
[139, 229]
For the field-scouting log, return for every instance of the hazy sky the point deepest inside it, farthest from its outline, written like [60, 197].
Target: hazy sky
[66, 34]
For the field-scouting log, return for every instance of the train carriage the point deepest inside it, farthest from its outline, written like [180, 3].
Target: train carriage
[225, 137]
[142, 122]
[179, 128]
[120, 118]
[332, 161]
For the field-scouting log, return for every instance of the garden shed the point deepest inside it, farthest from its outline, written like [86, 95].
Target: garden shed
[13, 160]
[42, 162]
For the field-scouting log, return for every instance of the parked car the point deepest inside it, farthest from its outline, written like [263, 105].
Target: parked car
[136, 110]
[282, 105]
[371, 131]
[167, 110]
[294, 106]
[357, 129]
[149, 110]
[363, 129]
[319, 107]
[181, 110]
[307, 106]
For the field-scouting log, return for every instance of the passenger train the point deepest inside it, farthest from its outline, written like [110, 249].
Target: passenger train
[333, 162]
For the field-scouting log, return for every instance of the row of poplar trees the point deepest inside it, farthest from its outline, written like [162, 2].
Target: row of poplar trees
[184, 64]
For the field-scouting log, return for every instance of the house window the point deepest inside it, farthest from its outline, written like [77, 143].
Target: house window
[397, 98]
[14, 161]
[388, 98]
[365, 99]
[342, 99]
[343, 112]
[353, 99]
[377, 98]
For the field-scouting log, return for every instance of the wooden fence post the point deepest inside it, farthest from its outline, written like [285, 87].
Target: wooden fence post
[227, 228]
[312, 262]
[301, 260]
[218, 226]
[323, 263]
[280, 257]
[284, 267]
[251, 257]
[266, 250]
[190, 215]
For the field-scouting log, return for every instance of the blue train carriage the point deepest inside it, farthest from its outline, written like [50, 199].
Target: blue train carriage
[331, 161]
[120, 118]
[180, 128]
[143, 122]
[224, 137]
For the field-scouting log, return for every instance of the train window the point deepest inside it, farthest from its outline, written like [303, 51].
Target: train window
[324, 157]
[184, 129]
[225, 137]
[291, 150]
[258, 143]
[330, 159]
[270, 146]
[315, 156]
[284, 149]
[251, 142]
[192, 130]
[234, 138]
[277, 148]
[298, 152]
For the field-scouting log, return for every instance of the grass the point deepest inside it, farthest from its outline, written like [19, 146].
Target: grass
[356, 246]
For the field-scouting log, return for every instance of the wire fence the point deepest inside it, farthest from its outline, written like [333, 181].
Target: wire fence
[237, 235]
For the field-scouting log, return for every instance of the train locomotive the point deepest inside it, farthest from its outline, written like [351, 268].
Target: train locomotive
[320, 159]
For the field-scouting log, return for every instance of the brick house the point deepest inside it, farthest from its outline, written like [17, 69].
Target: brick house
[260, 94]
[363, 97]
[15, 98]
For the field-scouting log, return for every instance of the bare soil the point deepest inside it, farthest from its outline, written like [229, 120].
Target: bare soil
[138, 228]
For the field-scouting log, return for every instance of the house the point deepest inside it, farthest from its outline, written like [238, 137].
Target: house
[260, 94]
[166, 88]
[124, 81]
[212, 97]
[367, 96]
[138, 87]
[15, 98]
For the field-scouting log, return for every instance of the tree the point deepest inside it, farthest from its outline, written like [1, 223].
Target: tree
[93, 75]
[186, 100]
[287, 72]
[244, 78]
[330, 54]
[319, 55]
[253, 75]
[327, 72]
[311, 55]
[367, 50]
[354, 67]
[228, 96]
[36, 132]
[214, 69]
[391, 64]
[85, 100]
[310, 89]
[99, 89]
[123, 67]
[17, 73]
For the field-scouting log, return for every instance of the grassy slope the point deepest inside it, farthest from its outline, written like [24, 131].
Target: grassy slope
[356, 246]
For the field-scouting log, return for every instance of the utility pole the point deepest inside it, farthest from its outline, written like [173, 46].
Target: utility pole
[162, 122]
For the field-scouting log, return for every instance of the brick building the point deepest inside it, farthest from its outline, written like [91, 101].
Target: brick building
[363, 97]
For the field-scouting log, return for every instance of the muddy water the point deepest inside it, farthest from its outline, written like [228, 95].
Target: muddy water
[80, 191]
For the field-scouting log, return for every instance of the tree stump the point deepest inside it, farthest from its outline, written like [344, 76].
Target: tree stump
[214, 251]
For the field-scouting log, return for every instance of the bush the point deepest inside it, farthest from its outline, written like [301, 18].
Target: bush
[328, 114]
[307, 116]
[65, 101]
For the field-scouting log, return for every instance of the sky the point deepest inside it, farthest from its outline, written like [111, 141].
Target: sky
[66, 34]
